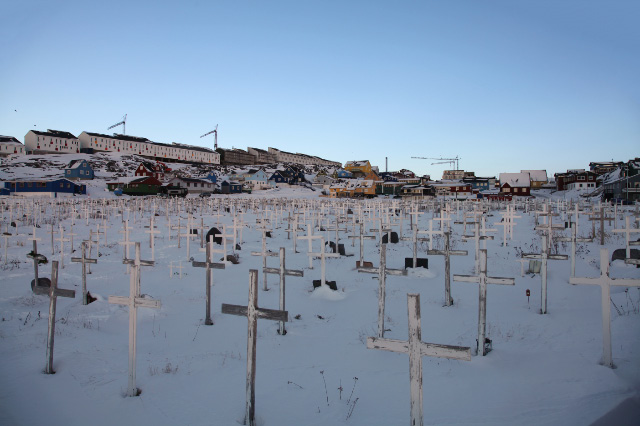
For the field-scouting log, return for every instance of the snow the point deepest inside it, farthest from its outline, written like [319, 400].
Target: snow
[543, 370]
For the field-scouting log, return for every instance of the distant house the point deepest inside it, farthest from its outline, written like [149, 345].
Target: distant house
[157, 170]
[78, 170]
[575, 179]
[194, 186]
[452, 189]
[136, 185]
[343, 174]
[358, 168]
[538, 177]
[257, 179]
[51, 141]
[47, 187]
[418, 191]
[515, 184]
[230, 187]
[280, 176]
[262, 156]
[10, 145]
[601, 168]
[211, 177]
[480, 183]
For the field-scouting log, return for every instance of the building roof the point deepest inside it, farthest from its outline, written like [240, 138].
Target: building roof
[537, 175]
[9, 139]
[74, 164]
[55, 134]
[515, 180]
[357, 163]
[129, 138]
[120, 137]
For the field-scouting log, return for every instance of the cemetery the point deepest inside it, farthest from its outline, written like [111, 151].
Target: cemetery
[506, 312]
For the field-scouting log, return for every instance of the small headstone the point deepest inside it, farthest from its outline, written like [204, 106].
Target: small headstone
[13, 224]
[341, 250]
[394, 238]
[349, 211]
[238, 247]
[621, 254]
[215, 234]
[365, 264]
[193, 231]
[268, 234]
[421, 262]
[332, 284]
[233, 258]
[332, 245]
[42, 282]
[535, 266]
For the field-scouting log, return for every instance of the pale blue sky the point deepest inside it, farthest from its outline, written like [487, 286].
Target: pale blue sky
[505, 84]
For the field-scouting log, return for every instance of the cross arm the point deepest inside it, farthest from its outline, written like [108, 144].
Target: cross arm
[142, 262]
[211, 265]
[396, 272]
[291, 272]
[369, 270]
[558, 256]
[500, 280]
[466, 278]
[270, 314]
[60, 292]
[445, 351]
[391, 345]
[588, 281]
[84, 260]
[531, 256]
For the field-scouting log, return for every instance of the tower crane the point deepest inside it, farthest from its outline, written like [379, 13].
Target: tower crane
[215, 137]
[124, 124]
[452, 161]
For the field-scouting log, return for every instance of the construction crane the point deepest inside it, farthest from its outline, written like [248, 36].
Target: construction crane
[452, 161]
[215, 137]
[124, 124]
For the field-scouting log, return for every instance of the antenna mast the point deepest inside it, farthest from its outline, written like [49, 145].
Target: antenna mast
[215, 137]
[124, 124]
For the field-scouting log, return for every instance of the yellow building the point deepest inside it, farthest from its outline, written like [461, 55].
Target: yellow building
[358, 168]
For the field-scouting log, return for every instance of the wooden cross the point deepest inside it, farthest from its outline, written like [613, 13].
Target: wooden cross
[224, 237]
[71, 234]
[447, 253]
[605, 282]
[416, 349]
[361, 237]
[53, 292]
[628, 230]
[601, 217]
[253, 312]
[282, 271]
[37, 257]
[477, 238]
[209, 264]
[264, 253]
[62, 240]
[382, 272]
[84, 260]
[483, 280]
[544, 256]
[152, 231]
[323, 256]
[177, 267]
[310, 237]
[431, 233]
[414, 239]
[548, 228]
[574, 239]
[134, 301]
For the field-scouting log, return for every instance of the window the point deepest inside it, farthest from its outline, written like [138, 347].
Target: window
[580, 177]
[507, 190]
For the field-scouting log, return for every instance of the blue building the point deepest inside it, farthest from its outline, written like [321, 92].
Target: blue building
[230, 187]
[46, 187]
[212, 177]
[79, 169]
[343, 174]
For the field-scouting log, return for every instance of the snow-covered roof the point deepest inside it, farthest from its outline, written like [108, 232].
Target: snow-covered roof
[536, 175]
[9, 140]
[516, 180]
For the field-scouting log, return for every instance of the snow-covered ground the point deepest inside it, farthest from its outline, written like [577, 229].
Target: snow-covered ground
[543, 370]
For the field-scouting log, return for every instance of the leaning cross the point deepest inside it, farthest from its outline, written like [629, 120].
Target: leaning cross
[544, 256]
[447, 253]
[382, 272]
[416, 349]
[253, 312]
[282, 271]
[605, 282]
[84, 260]
[483, 280]
[209, 265]
[53, 292]
[134, 301]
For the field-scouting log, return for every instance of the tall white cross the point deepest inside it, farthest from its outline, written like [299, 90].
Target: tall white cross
[416, 349]
[544, 257]
[208, 264]
[382, 272]
[322, 254]
[360, 237]
[573, 238]
[627, 230]
[134, 301]
[605, 282]
[253, 312]
[53, 292]
[483, 280]
[447, 253]
[282, 271]
[84, 260]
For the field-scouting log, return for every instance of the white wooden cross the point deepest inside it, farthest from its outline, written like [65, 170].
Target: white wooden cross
[416, 349]
[223, 235]
[627, 230]
[179, 267]
[605, 282]
[601, 216]
[53, 292]
[264, 253]
[152, 231]
[37, 257]
[414, 239]
[62, 240]
[573, 238]
[548, 228]
[134, 301]
[253, 312]
[282, 271]
[431, 233]
[544, 256]
[382, 272]
[361, 237]
[483, 280]
[447, 253]
[477, 238]
[310, 237]
[209, 264]
[322, 254]
[84, 260]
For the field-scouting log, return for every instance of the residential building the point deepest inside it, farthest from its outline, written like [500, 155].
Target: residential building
[262, 156]
[515, 184]
[601, 168]
[51, 142]
[136, 185]
[538, 178]
[302, 159]
[236, 156]
[358, 168]
[78, 170]
[193, 185]
[45, 187]
[10, 145]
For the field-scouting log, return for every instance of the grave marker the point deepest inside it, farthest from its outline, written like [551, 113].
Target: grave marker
[208, 264]
[282, 271]
[544, 256]
[447, 253]
[84, 260]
